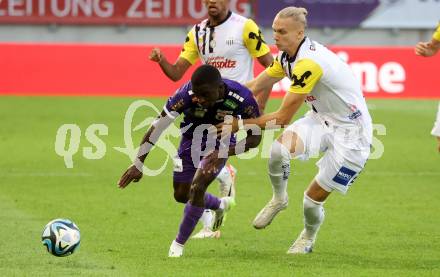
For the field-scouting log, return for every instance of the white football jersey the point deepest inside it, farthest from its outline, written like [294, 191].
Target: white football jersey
[229, 46]
[334, 93]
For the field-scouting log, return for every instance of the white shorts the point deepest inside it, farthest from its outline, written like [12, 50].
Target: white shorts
[344, 156]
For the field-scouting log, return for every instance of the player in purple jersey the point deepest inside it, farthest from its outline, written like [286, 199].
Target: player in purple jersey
[204, 101]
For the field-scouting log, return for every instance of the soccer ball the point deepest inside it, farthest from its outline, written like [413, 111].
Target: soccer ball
[61, 237]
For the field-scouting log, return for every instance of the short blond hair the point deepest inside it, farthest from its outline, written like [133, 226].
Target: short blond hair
[298, 14]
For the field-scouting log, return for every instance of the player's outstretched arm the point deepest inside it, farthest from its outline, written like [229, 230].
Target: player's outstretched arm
[263, 82]
[263, 96]
[265, 60]
[252, 140]
[173, 71]
[134, 172]
[282, 117]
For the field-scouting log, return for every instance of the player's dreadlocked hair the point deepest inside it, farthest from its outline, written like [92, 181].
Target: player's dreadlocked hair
[206, 74]
[296, 13]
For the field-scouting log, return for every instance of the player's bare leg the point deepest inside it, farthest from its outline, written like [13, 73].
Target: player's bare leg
[199, 200]
[226, 180]
[287, 146]
[314, 198]
[181, 192]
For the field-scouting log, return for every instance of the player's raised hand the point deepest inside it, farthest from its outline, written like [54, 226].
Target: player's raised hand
[131, 174]
[425, 49]
[156, 55]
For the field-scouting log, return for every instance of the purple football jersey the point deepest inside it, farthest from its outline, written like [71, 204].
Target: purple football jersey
[238, 101]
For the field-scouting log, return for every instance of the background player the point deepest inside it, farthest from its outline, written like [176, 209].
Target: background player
[428, 49]
[229, 42]
[206, 100]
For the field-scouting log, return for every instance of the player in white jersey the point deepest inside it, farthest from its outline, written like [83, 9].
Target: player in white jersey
[228, 42]
[338, 123]
[429, 49]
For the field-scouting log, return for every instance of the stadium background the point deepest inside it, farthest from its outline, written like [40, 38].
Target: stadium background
[51, 52]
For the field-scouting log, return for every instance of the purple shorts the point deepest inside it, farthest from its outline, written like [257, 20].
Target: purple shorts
[184, 167]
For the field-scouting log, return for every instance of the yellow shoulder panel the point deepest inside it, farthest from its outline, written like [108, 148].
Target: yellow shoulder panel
[436, 34]
[254, 40]
[275, 69]
[305, 75]
[189, 51]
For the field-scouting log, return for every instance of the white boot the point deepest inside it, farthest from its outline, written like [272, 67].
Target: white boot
[176, 250]
[302, 245]
[268, 213]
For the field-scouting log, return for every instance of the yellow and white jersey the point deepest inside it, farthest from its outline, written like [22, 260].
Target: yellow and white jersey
[229, 46]
[334, 93]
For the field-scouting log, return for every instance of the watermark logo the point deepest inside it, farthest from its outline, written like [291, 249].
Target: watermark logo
[205, 140]
[71, 134]
[165, 144]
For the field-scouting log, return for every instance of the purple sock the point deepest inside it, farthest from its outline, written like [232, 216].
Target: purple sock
[191, 216]
[211, 202]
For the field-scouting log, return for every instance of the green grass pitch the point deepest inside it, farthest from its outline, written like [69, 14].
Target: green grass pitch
[387, 225]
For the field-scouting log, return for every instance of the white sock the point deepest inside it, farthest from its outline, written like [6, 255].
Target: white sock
[206, 219]
[313, 216]
[225, 179]
[222, 204]
[279, 170]
[175, 244]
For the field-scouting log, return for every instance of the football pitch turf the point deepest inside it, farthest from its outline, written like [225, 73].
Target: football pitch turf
[387, 225]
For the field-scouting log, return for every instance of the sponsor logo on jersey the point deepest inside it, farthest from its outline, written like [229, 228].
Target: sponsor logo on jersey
[229, 103]
[221, 62]
[356, 112]
[344, 176]
[355, 115]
